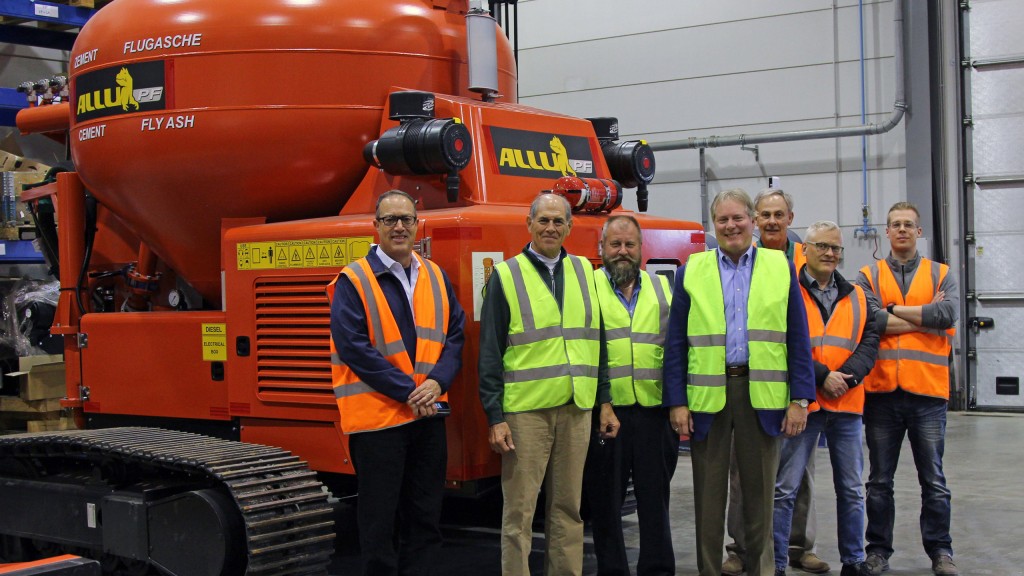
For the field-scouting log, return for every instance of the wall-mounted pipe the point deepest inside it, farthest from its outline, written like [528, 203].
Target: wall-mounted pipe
[704, 206]
[899, 106]
[864, 229]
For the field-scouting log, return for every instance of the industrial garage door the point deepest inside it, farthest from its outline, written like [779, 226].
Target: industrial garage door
[993, 49]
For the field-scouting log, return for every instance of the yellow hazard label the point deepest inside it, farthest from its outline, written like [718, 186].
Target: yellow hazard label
[319, 253]
[215, 342]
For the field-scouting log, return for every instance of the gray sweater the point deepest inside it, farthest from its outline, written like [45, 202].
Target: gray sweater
[938, 316]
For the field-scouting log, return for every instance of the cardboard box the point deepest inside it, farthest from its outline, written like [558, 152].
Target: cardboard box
[40, 377]
[17, 415]
[64, 423]
[11, 405]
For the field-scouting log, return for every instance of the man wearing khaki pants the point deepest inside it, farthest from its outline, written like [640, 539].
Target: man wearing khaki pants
[539, 358]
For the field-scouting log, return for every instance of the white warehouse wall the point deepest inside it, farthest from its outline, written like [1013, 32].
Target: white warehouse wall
[674, 69]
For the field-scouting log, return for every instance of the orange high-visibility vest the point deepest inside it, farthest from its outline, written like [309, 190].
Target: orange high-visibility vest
[833, 343]
[917, 362]
[362, 408]
[799, 258]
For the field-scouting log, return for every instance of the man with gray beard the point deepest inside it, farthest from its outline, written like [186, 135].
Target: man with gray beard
[632, 434]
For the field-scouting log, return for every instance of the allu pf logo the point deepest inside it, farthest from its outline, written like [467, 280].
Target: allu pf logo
[122, 89]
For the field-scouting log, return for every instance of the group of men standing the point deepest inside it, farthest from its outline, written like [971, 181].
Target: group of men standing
[587, 379]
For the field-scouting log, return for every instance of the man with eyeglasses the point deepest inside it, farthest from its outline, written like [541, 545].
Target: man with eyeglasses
[396, 348]
[773, 215]
[908, 390]
[844, 344]
[737, 365]
[540, 355]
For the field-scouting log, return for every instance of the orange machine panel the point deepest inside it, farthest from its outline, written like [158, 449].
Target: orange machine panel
[275, 275]
[237, 109]
[152, 364]
[319, 443]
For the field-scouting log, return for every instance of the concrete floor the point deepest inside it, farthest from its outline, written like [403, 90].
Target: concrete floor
[984, 466]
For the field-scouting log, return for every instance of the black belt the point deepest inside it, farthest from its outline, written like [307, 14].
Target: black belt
[741, 370]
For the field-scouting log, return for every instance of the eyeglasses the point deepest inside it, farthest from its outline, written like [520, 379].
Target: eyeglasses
[389, 221]
[907, 225]
[825, 247]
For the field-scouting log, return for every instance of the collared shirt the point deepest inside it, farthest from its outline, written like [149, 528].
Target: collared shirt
[630, 304]
[790, 249]
[494, 325]
[407, 278]
[352, 338]
[736, 292]
[549, 262]
[677, 349]
[826, 296]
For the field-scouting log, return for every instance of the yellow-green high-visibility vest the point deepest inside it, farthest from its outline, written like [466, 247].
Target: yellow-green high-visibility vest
[552, 354]
[636, 345]
[766, 332]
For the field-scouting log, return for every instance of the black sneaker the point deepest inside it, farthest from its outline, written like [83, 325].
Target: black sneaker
[875, 564]
[780, 572]
[857, 569]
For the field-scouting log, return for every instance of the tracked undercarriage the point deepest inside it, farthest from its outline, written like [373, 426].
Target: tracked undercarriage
[144, 500]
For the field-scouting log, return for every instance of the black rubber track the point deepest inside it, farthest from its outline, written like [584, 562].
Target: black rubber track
[288, 522]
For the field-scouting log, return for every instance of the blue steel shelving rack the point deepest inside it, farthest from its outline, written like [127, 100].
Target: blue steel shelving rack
[10, 102]
[19, 252]
[41, 11]
[12, 14]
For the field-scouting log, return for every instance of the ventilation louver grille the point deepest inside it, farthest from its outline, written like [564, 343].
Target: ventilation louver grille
[293, 331]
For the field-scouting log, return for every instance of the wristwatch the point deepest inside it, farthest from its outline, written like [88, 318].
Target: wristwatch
[890, 308]
[802, 402]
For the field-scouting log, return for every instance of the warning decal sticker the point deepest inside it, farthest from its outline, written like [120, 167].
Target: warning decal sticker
[319, 253]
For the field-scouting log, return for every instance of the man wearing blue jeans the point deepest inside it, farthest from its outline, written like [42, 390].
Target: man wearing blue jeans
[844, 345]
[908, 389]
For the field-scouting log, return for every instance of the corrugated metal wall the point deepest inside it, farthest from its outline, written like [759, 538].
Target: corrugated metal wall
[994, 105]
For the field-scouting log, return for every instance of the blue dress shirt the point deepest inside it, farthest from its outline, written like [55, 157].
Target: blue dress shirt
[736, 291]
[352, 337]
[798, 343]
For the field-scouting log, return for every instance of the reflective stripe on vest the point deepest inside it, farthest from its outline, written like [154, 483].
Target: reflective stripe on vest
[363, 409]
[551, 354]
[832, 344]
[636, 344]
[767, 307]
[917, 362]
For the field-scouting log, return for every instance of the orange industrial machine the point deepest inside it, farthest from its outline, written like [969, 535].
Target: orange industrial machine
[228, 156]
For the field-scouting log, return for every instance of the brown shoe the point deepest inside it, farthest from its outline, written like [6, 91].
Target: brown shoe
[733, 565]
[942, 565]
[809, 562]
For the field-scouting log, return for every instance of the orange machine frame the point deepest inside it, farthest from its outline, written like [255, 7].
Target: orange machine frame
[260, 366]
